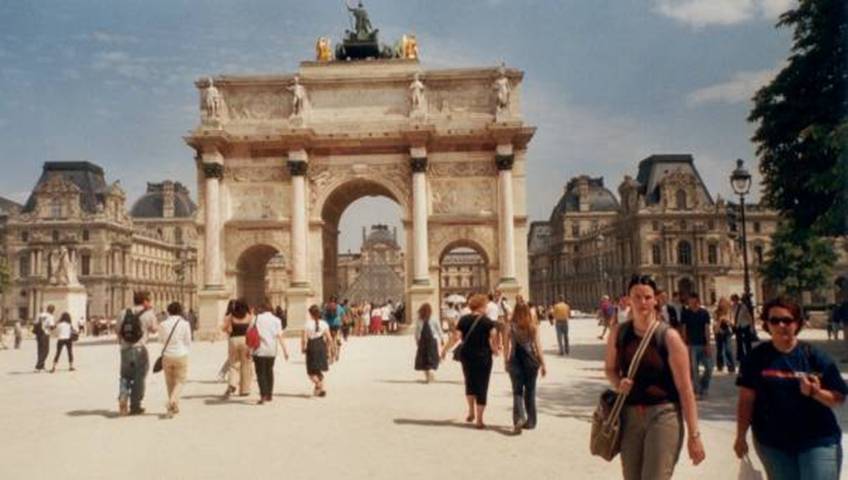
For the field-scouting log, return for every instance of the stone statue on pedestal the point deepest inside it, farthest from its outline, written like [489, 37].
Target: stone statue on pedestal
[502, 92]
[417, 101]
[63, 267]
[298, 98]
[212, 103]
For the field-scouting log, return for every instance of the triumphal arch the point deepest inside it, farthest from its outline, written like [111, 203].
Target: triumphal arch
[280, 157]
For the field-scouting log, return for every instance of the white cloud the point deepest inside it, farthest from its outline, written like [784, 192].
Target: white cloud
[701, 13]
[739, 89]
[112, 38]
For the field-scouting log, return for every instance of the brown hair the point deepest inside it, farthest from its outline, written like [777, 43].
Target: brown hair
[523, 319]
[141, 296]
[425, 311]
[478, 301]
[788, 303]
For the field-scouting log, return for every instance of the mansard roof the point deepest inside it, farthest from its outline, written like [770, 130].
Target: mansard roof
[152, 203]
[601, 199]
[86, 176]
[653, 169]
[8, 207]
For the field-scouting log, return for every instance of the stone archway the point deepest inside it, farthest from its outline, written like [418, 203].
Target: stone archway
[252, 282]
[463, 268]
[333, 205]
[270, 175]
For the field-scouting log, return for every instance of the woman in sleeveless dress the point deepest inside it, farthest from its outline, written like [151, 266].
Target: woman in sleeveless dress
[428, 337]
[317, 344]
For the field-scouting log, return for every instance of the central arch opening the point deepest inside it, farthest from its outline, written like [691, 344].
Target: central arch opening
[364, 244]
[260, 275]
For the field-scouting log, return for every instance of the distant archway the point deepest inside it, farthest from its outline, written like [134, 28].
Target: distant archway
[463, 269]
[252, 283]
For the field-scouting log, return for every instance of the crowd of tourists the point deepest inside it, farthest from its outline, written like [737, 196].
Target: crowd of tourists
[660, 355]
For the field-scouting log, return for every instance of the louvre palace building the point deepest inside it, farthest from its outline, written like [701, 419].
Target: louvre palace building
[151, 246]
[664, 223]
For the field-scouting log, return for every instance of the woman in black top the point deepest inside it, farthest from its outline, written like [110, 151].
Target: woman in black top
[479, 340]
[659, 398]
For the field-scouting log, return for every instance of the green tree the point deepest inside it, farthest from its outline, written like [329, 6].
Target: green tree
[798, 261]
[801, 135]
[5, 275]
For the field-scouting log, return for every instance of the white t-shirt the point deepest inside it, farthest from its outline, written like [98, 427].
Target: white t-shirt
[269, 328]
[492, 311]
[312, 332]
[63, 331]
[47, 321]
[386, 313]
[181, 340]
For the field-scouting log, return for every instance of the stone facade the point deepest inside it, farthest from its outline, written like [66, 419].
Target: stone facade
[376, 273]
[116, 253]
[456, 168]
[463, 271]
[666, 224]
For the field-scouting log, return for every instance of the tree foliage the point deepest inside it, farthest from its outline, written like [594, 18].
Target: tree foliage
[798, 261]
[5, 275]
[802, 133]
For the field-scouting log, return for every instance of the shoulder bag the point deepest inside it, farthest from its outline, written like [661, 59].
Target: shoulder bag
[606, 421]
[157, 365]
[457, 352]
[251, 337]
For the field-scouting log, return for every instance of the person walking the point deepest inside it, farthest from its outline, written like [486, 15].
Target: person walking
[317, 345]
[19, 334]
[44, 323]
[562, 312]
[64, 339]
[333, 314]
[134, 328]
[175, 334]
[523, 360]
[659, 399]
[270, 335]
[788, 390]
[224, 371]
[478, 339]
[696, 333]
[606, 314]
[723, 330]
[743, 325]
[238, 360]
[428, 338]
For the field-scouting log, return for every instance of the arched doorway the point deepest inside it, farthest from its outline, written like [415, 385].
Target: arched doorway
[377, 253]
[252, 277]
[463, 269]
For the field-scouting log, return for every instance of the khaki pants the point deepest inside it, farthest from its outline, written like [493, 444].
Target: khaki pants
[241, 365]
[175, 369]
[651, 439]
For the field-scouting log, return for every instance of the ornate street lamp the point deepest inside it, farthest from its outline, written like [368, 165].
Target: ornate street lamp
[601, 271]
[740, 180]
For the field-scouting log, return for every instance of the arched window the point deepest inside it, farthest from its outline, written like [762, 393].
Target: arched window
[684, 253]
[712, 254]
[680, 199]
[178, 235]
[55, 208]
[24, 265]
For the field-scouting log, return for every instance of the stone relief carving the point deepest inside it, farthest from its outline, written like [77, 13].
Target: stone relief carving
[256, 174]
[462, 169]
[255, 202]
[462, 195]
[256, 105]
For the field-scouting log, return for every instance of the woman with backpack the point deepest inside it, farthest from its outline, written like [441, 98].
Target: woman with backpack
[523, 360]
[659, 398]
[428, 338]
[317, 344]
[65, 334]
[788, 390]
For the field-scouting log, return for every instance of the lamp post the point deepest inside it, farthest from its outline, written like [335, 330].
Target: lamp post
[740, 180]
[601, 273]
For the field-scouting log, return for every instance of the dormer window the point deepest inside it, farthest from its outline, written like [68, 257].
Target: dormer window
[680, 199]
[55, 208]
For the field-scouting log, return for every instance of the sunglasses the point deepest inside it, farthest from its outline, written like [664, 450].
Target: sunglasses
[777, 320]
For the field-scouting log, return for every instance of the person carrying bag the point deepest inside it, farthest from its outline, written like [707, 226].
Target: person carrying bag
[606, 421]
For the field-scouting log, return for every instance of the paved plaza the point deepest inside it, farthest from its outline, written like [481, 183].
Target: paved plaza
[377, 422]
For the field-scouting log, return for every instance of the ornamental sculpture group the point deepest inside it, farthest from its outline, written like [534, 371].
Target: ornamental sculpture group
[63, 267]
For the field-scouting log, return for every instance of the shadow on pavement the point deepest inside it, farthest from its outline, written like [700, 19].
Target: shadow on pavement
[506, 431]
[591, 352]
[294, 395]
[573, 400]
[421, 382]
[94, 413]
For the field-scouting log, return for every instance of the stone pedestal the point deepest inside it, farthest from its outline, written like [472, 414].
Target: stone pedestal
[67, 298]
[211, 310]
[297, 306]
[510, 288]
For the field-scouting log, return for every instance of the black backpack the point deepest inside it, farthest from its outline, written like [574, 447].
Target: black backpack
[131, 331]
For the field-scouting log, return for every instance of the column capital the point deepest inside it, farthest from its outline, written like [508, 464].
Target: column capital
[297, 168]
[213, 170]
[504, 162]
[418, 164]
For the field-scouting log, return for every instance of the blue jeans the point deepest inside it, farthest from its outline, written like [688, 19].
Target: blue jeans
[724, 355]
[523, 393]
[698, 357]
[818, 463]
[134, 365]
[562, 337]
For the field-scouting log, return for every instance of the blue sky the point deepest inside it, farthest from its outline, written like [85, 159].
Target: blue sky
[608, 82]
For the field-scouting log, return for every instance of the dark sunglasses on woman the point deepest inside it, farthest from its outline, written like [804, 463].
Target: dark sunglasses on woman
[777, 320]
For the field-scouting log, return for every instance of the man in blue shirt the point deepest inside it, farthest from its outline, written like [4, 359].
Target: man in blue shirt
[333, 314]
[696, 332]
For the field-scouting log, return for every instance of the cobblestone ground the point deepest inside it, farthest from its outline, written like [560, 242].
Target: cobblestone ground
[378, 420]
